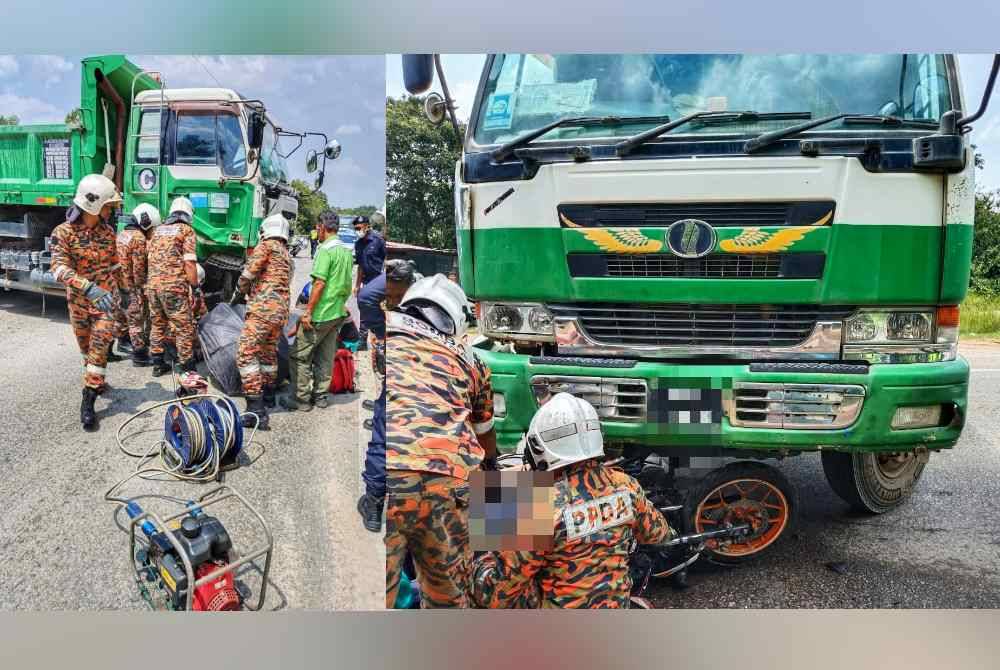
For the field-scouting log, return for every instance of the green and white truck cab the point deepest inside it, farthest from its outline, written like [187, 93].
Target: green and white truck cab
[221, 150]
[747, 256]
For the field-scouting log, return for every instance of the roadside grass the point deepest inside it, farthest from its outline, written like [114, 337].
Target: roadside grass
[980, 316]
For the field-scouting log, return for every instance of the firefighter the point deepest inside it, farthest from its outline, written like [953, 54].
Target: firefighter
[600, 513]
[132, 250]
[85, 260]
[173, 275]
[266, 279]
[439, 407]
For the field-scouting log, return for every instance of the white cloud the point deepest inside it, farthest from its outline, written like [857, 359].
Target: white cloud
[378, 123]
[30, 110]
[348, 129]
[8, 66]
[52, 68]
[343, 167]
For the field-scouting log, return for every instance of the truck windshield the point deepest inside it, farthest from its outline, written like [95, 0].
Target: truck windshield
[523, 92]
[210, 138]
[272, 162]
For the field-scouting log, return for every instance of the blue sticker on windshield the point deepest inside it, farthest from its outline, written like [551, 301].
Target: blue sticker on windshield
[499, 111]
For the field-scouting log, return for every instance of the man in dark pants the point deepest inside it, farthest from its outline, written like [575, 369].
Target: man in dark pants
[369, 254]
[384, 292]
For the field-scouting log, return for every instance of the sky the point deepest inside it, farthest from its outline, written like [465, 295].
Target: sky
[463, 72]
[343, 96]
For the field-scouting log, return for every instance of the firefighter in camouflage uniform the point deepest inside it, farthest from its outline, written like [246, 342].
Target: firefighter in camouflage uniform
[85, 260]
[266, 280]
[599, 515]
[173, 275]
[439, 427]
[132, 251]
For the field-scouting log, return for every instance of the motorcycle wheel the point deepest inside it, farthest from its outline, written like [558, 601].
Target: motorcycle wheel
[743, 492]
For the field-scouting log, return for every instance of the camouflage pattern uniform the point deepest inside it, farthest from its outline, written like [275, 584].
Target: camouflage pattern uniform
[132, 254]
[438, 398]
[168, 290]
[270, 270]
[82, 255]
[600, 513]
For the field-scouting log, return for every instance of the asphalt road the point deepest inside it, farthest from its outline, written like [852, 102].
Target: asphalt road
[60, 544]
[940, 550]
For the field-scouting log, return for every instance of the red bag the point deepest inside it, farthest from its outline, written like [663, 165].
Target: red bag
[343, 372]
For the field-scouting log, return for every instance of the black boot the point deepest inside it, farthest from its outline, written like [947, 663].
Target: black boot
[140, 358]
[270, 397]
[88, 417]
[370, 509]
[112, 356]
[255, 404]
[125, 346]
[368, 405]
[160, 366]
[187, 366]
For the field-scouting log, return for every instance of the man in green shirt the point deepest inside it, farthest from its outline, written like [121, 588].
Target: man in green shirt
[312, 353]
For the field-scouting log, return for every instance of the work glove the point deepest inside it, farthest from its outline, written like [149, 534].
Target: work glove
[99, 298]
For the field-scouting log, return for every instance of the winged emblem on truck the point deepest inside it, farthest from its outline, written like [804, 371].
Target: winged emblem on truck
[622, 240]
[757, 241]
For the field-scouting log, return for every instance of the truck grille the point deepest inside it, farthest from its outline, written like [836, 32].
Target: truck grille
[802, 406]
[653, 215]
[716, 266]
[698, 325]
[614, 399]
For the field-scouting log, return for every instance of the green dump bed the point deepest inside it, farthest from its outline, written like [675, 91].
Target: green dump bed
[40, 165]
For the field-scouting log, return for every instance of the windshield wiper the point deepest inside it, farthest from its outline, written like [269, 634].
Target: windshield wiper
[505, 150]
[628, 146]
[767, 139]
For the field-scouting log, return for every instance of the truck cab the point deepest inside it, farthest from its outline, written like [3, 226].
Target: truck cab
[729, 256]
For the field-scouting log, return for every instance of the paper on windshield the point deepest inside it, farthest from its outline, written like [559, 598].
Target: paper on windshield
[557, 98]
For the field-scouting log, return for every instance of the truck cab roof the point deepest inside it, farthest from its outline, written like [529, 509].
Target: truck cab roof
[192, 94]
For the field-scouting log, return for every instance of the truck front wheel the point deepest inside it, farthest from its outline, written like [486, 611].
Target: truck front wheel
[873, 482]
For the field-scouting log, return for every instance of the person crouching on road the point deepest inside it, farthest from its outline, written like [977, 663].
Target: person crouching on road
[600, 513]
[266, 280]
[132, 252]
[173, 274]
[85, 260]
[311, 356]
[385, 292]
[439, 427]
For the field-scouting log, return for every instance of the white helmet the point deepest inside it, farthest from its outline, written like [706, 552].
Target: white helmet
[181, 209]
[146, 216]
[95, 191]
[201, 274]
[275, 225]
[564, 431]
[440, 302]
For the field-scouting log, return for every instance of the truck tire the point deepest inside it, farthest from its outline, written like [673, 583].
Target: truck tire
[742, 492]
[874, 483]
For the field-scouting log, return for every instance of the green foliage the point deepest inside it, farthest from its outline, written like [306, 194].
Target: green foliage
[420, 163]
[311, 205]
[980, 315]
[11, 120]
[986, 245]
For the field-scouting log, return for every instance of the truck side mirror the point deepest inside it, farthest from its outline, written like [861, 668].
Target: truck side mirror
[255, 130]
[418, 72]
[332, 149]
[312, 161]
[318, 184]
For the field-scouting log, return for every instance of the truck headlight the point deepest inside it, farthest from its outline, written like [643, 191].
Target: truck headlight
[889, 327]
[913, 335]
[517, 321]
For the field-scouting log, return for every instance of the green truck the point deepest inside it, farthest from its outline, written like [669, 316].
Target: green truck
[221, 150]
[732, 257]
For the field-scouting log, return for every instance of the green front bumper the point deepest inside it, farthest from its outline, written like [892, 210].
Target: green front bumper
[887, 387]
